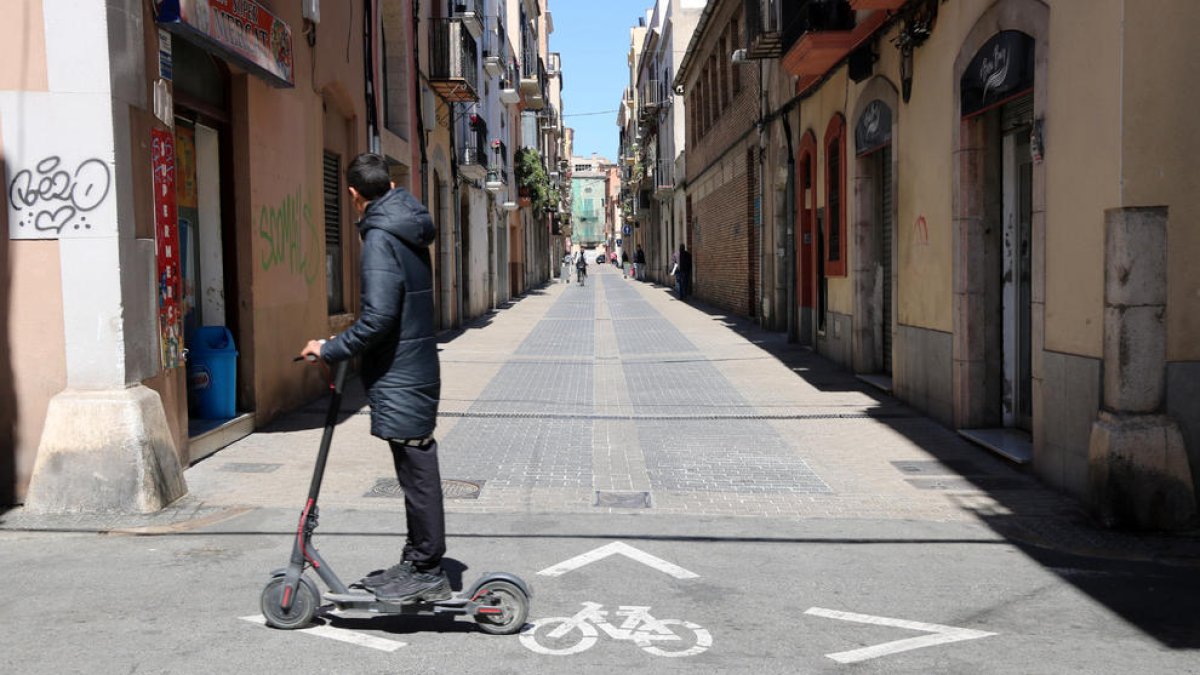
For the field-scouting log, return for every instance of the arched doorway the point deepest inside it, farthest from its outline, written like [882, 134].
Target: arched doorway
[806, 249]
[874, 232]
[1000, 87]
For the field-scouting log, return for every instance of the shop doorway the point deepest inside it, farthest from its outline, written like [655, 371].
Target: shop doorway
[1016, 278]
[806, 245]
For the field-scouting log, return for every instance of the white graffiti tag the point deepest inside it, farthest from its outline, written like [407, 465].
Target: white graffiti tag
[52, 196]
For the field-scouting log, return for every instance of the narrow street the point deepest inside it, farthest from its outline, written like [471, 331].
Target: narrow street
[785, 515]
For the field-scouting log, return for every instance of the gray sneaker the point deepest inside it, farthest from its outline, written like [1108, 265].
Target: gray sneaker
[378, 578]
[428, 586]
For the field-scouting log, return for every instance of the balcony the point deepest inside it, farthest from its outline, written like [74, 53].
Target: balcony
[554, 64]
[470, 12]
[664, 177]
[495, 48]
[549, 117]
[532, 70]
[497, 179]
[774, 26]
[535, 97]
[472, 147]
[827, 34]
[497, 173]
[454, 61]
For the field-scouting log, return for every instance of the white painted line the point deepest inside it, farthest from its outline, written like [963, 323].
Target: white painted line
[941, 635]
[618, 548]
[341, 635]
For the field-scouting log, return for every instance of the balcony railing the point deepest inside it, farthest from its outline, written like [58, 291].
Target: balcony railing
[773, 26]
[554, 64]
[530, 62]
[454, 61]
[664, 176]
[472, 147]
[497, 174]
[495, 47]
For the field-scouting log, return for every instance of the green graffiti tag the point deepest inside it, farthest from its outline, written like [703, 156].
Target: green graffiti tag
[286, 242]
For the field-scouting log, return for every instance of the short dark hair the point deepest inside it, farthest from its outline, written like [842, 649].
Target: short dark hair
[368, 174]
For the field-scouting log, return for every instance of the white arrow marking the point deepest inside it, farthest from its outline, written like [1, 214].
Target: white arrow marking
[616, 548]
[942, 635]
[341, 635]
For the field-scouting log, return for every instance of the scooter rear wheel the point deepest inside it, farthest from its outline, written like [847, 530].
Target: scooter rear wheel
[303, 609]
[512, 603]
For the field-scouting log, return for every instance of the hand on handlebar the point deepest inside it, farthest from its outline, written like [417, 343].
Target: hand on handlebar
[311, 351]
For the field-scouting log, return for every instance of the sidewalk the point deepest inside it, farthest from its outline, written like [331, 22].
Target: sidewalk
[616, 398]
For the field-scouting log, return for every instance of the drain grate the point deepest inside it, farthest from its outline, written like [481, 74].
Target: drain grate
[623, 500]
[451, 489]
[248, 467]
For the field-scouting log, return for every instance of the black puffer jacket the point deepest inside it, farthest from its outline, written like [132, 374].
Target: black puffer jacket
[395, 332]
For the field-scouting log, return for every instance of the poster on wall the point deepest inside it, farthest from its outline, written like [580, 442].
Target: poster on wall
[166, 242]
[188, 211]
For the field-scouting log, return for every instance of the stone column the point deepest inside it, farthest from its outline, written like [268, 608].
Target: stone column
[1137, 463]
[106, 446]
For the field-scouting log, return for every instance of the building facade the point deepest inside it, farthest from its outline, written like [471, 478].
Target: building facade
[201, 231]
[952, 200]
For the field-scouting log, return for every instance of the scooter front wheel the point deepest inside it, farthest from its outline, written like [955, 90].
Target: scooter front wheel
[303, 609]
[503, 610]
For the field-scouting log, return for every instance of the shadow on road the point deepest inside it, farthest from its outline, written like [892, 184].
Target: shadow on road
[1148, 579]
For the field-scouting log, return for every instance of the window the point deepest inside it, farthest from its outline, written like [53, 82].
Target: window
[835, 197]
[332, 174]
[395, 76]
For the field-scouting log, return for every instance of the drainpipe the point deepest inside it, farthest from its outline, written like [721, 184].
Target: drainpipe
[762, 144]
[793, 330]
[416, 83]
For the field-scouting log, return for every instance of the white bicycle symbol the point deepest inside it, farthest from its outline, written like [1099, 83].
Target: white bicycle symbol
[560, 635]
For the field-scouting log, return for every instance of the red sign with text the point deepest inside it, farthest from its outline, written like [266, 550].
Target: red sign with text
[166, 241]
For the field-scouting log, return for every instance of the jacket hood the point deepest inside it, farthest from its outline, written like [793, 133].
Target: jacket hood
[401, 215]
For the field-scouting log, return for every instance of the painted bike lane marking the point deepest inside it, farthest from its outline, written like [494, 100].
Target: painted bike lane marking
[941, 635]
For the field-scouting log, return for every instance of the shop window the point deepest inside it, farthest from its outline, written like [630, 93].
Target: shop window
[835, 198]
[332, 173]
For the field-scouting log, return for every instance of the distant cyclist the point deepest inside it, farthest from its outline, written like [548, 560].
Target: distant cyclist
[581, 268]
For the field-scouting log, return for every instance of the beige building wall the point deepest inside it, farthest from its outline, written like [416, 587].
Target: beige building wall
[1160, 149]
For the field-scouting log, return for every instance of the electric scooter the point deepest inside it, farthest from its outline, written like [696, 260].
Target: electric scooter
[497, 601]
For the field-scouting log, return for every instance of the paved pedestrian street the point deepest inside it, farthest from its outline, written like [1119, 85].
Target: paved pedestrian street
[683, 492]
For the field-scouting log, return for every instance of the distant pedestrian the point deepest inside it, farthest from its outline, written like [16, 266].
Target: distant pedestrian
[566, 268]
[624, 264]
[639, 264]
[685, 272]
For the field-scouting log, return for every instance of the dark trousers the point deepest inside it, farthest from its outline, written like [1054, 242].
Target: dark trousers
[419, 477]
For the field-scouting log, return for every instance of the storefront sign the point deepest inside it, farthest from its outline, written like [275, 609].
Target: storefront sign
[242, 31]
[1002, 69]
[874, 128]
[166, 242]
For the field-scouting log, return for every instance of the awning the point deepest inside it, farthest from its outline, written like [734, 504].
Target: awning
[241, 31]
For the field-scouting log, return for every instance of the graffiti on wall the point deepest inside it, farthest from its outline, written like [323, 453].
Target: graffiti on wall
[289, 238]
[55, 195]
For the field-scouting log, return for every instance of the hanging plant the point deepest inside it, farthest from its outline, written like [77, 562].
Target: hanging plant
[533, 182]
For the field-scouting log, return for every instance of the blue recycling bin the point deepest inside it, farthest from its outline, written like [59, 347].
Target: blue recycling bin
[212, 373]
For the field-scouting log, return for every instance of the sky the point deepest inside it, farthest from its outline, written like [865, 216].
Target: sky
[593, 38]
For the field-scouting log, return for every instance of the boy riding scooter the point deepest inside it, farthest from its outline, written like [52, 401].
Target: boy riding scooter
[394, 336]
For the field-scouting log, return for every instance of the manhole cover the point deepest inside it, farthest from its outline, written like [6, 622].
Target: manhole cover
[623, 500]
[451, 489]
[248, 467]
